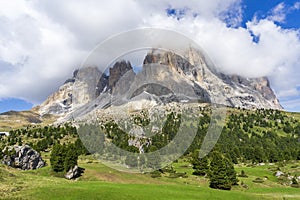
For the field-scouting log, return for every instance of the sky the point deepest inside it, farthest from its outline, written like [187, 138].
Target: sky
[43, 42]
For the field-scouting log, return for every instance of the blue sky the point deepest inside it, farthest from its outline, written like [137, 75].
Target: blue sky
[14, 104]
[263, 8]
[34, 31]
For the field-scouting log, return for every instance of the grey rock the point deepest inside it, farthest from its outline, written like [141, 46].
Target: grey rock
[279, 173]
[24, 158]
[85, 85]
[117, 71]
[74, 172]
[215, 87]
[165, 77]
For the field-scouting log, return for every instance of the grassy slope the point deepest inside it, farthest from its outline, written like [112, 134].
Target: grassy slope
[101, 182]
[14, 120]
[43, 187]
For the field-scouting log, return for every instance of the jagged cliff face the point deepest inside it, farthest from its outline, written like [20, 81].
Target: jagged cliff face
[165, 77]
[74, 93]
[85, 86]
[230, 90]
[59, 102]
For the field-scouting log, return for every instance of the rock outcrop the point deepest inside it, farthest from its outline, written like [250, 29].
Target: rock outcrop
[229, 90]
[74, 172]
[85, 85]
[117, 71]
[23, 157]
[165, 77]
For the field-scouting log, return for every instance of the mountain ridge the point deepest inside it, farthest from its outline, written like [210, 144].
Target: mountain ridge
[185, 78]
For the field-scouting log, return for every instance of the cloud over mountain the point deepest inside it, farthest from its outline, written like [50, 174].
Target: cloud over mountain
[42, 42]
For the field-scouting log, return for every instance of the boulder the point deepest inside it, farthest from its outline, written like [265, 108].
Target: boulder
[74, 172]
[279, 173]
[23, 157]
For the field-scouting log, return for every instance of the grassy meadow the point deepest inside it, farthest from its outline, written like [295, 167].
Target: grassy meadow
[101, 182]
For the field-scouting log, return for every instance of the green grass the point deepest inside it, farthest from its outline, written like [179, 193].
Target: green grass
[100, 190]
[102, 182]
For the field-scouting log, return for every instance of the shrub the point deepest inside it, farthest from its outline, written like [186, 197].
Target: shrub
[243, 174]
[258, 180]
[155, 174]
[178, 175]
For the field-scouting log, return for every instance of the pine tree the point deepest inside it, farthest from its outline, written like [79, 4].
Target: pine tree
[71, 158]
[57, 158]
[231, 173]
[200, 165]
[221, 175]
[80, 148]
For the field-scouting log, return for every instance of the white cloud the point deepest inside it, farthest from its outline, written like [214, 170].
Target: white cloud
[296, 5]
[275, 55]
[43, 41]
[278, 13]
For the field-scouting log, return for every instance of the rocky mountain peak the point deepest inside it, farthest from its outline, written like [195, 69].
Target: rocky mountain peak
[117, 71]
[230, 90]
[165, 77]
[176, 62]
[75, 92]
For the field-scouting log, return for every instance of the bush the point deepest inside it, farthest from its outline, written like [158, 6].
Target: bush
[258, 180]
[243, 174]
[155, 174]
[168, 169]
[63, 157]
[295, 185]
[178, 175]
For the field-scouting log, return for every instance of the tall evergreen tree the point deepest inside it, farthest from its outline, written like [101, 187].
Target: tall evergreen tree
[57, 158]
[200, 165]
[63, 157]
[231, 173]
[221, 174]
[71, 157]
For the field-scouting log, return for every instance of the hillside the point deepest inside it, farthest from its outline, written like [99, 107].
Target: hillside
[13, 119]
[101, 182]
[260, 142]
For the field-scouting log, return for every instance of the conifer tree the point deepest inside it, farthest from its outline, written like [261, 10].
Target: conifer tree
[231, 173]
[57, 157]
[221, 175]
[71, 158]
[200, 165]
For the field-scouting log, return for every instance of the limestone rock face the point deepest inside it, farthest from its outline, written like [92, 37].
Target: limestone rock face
[82, 88]
[23, 157]
[164, 78]
[117, 71]
[85, 85]
[58, 102]
[229, 90]
[261, 85]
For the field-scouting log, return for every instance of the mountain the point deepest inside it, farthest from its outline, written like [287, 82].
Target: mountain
[165, 77]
